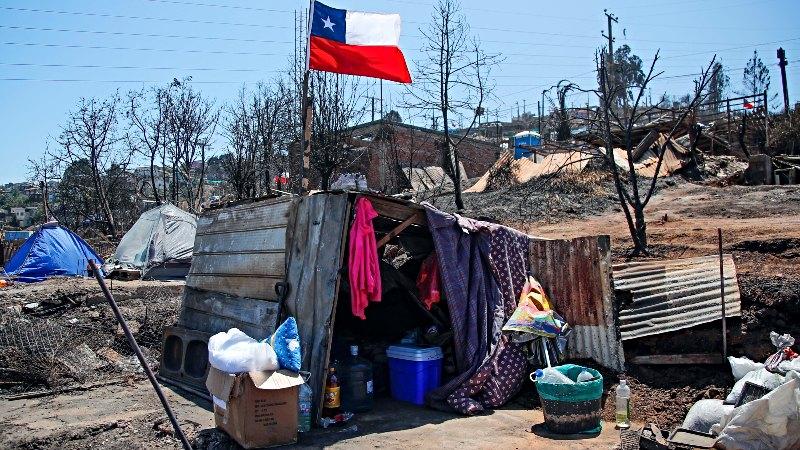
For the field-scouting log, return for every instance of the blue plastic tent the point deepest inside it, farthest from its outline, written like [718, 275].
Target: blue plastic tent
[52, 251]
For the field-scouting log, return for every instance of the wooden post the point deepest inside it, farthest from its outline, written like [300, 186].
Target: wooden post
[766, 121]
[308, 111]
[722, 295]
[728, 104]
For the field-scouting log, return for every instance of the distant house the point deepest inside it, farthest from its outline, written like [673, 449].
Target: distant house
[23, 215]
[393, 149]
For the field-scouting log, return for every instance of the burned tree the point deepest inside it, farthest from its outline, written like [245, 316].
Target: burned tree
[336, 106]
[147, 112]
[452, 80]
[90, 139]
[634, 191]
[191, 122]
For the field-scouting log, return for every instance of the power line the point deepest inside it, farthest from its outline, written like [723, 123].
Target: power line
[96, 66]
[78, 80]
[214, 5]
[143, 49]
[159, 19]
[121, 33]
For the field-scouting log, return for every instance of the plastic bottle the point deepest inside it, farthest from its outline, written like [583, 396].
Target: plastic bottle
[333, 398]
[585, 376]
[623, 403]
[552, 376]
[304, 401]
[355, 376]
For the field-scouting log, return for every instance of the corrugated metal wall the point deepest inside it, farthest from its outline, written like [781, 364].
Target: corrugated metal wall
[672, 295]
[576, 274]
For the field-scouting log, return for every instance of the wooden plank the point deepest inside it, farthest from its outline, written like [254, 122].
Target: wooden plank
[690, 358]
[316, 249]
[264, 239]
[259, 215]
[398, 229]
[262, 288]
[259, 264]
[398, 211]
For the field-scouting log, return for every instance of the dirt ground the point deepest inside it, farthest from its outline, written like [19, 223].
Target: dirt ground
[761, 227]
[129, 416]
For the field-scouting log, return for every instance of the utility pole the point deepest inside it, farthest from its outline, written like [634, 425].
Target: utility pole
[610, 62]
[373, 107]
[782, 63]
[517, 109]
[381, 83]
[539, 112]
[524, 106]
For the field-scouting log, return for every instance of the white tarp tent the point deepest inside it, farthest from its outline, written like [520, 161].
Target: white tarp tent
[159, 244]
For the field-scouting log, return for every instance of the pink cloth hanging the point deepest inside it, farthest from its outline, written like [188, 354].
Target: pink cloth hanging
[362, 264]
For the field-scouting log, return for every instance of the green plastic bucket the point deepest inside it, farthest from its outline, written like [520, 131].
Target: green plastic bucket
[572, 408]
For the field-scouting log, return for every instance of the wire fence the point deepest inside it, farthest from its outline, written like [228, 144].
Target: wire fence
[57, 346]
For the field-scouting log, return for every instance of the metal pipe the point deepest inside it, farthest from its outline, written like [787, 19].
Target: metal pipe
[722, 296]
[140, 356]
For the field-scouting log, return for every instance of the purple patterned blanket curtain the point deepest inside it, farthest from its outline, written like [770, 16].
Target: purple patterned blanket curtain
[483, 268]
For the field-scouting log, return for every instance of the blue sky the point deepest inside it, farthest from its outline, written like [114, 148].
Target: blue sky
[46, 47]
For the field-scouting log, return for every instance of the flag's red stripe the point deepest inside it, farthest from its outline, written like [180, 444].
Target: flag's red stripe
[386, 62]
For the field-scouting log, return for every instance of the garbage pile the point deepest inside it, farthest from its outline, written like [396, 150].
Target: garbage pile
[762, 411]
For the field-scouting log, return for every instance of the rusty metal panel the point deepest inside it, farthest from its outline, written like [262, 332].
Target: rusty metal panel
[316, 243]
[241, 250]
[576, 273]
[664, 296]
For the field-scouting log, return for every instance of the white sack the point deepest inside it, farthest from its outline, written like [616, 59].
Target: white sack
[742, 366]
[771, 422]
[786, 366]
[705, 414]
[761, 377]
[235, 352]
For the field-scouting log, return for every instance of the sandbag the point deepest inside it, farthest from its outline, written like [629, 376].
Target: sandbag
[771, 422]
[236, 352]
[761, 377]
[705, 414]
[742, 366]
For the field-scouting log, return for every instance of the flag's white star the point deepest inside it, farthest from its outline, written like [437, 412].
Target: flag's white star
[328, 23]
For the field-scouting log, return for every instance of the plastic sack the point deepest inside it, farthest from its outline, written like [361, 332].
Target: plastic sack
[575, 392]
[705, 414]
[786, 366]
[782, 342]
[742, 366]
[286, 343]
[761, 377]
[236, 352]
[771, 422]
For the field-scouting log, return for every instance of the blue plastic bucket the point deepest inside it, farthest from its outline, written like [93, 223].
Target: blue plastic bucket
[414, 371]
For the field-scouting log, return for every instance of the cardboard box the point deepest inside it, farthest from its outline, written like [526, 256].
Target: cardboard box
[257, 409]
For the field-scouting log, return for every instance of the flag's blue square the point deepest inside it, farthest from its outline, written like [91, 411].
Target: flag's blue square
[328, 23]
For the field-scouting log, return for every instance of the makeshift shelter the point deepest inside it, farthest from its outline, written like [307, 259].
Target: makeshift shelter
[51, 251]
[258, 263]
[159, 244]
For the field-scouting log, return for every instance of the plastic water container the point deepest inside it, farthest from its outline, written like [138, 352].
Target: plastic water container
[413, 371]
[355, 376]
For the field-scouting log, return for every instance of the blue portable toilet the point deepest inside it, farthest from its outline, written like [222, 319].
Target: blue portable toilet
[527, 139]
[51, 251]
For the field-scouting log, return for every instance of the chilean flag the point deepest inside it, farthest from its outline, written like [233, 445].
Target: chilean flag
[356, 43]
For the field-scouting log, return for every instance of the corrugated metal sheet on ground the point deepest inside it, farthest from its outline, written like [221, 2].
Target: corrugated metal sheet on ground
[675, 158]
[673, 295]
[576, 274]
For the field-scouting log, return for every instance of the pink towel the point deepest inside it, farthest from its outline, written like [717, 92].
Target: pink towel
[363, 269]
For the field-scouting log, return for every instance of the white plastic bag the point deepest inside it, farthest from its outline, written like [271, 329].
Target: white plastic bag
[761, 377]
[235, 352]
[771, 422]
[742, 366]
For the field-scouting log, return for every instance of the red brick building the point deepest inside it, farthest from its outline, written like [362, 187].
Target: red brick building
[390, 147]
